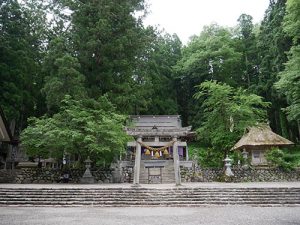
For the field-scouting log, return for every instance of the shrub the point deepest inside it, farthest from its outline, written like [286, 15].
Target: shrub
[278, 158]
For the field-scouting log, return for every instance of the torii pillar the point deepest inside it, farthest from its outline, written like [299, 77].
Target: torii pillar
[176, 162]
[137, 163]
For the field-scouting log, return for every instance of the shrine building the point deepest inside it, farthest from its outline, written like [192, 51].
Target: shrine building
[159, 148]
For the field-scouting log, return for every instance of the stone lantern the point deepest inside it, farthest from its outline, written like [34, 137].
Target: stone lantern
[228, 171]
[87, 177]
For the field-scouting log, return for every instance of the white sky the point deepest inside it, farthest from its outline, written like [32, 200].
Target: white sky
[187, 17]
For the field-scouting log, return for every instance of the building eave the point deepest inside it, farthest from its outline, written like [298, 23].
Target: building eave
[179, 132]
[5, 133]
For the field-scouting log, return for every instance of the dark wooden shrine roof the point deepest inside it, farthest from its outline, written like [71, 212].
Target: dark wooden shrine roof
[157, 125]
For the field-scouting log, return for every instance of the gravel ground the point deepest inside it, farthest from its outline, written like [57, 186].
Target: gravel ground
[150, 216]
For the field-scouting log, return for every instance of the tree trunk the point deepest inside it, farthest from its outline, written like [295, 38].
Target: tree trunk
[12, 127]
[247, 74]
[277, 122]
[298, 122]
[283, 125]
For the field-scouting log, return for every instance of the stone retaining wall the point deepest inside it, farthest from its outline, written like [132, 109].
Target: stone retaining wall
[44, 175]
[6, 176]
[127, 174]
[240, 175]
[217, 174]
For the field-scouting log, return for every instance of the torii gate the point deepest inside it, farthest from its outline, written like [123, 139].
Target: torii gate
[158, 127]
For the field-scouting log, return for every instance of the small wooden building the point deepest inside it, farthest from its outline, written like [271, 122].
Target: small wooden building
[257, 140]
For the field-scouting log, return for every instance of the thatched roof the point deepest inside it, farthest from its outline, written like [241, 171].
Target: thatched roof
[261, 135]
[5, 134]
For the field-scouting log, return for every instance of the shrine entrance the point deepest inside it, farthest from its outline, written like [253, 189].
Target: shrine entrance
[158, 148]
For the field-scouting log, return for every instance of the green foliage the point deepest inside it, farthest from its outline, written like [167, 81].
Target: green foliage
[20, 52]
[110, 44]
[85, 127]
[246, 44]
[35, 137]
[206, 157]
[160, 85]
[292, 20]
[245, 25]
[278, 158]
[273, 44]
[88, 49]
[237, 157]
[227, 112]
[210, 56]
[63, 76]
[293, 156]
[289, 83]
[210, 158]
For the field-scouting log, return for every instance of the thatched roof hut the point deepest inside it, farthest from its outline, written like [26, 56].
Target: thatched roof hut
[261, 136]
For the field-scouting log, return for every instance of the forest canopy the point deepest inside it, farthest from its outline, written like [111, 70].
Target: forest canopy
[67, 59]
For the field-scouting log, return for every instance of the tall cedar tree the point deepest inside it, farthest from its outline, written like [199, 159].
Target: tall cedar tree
[289, 83]
[20, 65]
[273, 43]
[109, 41]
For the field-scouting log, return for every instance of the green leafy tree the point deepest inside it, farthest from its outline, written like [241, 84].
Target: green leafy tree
[246, 44]
[206, 157]
[83, 128]
[273, 44]
[37, 140]
[276, 157]
[109, 43]
[159, 75]
[289, 83]
[63, 76]
[227, 112]
[21, 53]
[210, 56]
[291, 20]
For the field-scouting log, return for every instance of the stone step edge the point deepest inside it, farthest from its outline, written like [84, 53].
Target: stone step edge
[153, 201]
[153, 194]
[154, 189]
[149, 204]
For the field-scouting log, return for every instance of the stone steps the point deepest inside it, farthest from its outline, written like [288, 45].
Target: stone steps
[145, 191]
[150, 203]
[124, 197]
[129, 198]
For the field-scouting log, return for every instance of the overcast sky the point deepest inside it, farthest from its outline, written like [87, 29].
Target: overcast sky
[187, 17]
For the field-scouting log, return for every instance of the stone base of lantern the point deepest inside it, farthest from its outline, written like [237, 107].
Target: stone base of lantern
[87, 177]
[87, 180]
